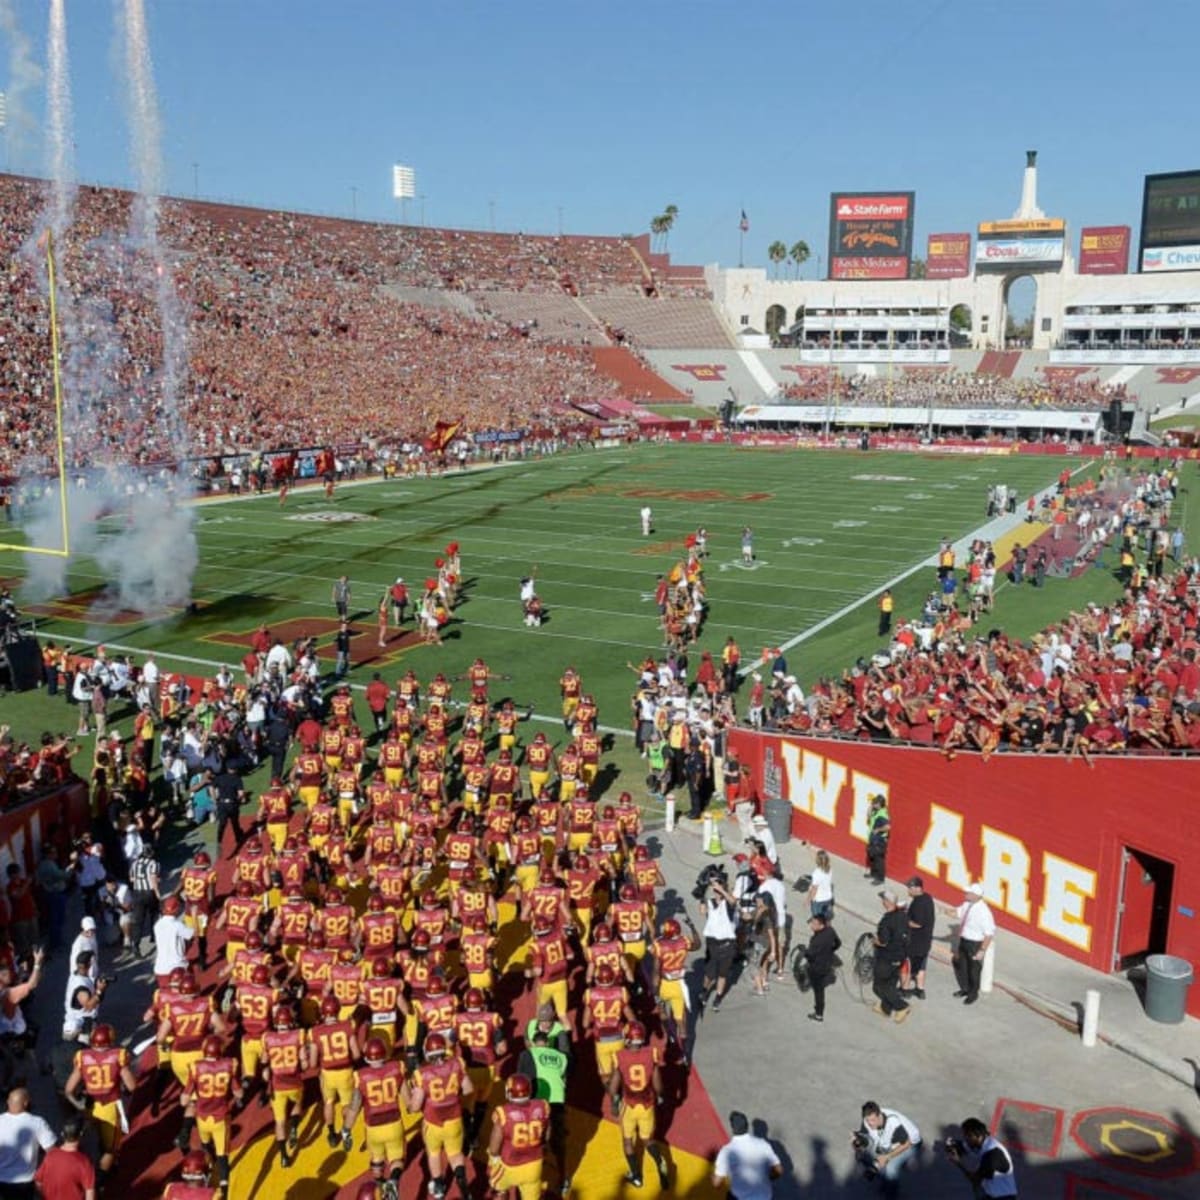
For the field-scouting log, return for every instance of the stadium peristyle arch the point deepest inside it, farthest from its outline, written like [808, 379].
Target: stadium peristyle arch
[1082, 312]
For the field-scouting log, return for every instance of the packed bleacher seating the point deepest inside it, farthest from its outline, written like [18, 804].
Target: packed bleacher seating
[953, 389]
[290, 338]
[1125, 676]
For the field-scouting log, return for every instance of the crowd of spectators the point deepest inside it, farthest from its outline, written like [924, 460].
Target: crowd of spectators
[1165, 343]
[942, 388]
[289, 338]
[1125, 676]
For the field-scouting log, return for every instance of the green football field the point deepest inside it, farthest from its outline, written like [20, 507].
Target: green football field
[830, 529]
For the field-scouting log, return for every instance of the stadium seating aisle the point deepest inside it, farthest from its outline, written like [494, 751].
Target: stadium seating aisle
[668, 322]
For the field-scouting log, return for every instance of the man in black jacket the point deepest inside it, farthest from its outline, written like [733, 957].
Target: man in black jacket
[822, 946]
[891, 949]
[920, 934]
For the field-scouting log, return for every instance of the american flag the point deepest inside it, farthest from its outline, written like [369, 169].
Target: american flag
[744, 223]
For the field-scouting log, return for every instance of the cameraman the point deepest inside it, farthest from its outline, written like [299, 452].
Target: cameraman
[983, 1160]
[82, 1000]
[719, 909]
[886, 1141]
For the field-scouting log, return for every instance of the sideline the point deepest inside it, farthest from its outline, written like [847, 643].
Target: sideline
[310, 486]
[141, 651]
[988, 532]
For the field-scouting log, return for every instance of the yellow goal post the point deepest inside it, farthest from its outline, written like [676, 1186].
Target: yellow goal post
[63, 551]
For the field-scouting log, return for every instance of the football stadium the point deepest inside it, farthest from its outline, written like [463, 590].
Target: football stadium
[443, 671]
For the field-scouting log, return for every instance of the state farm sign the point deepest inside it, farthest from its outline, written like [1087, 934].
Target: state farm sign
[871, 208]
[870, 235]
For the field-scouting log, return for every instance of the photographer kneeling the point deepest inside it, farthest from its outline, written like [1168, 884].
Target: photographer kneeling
[83, 1000]
[983, 1160]
[720, 930]
[886, 1140]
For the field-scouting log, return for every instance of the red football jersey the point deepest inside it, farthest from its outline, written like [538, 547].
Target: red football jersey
[100, 1071]
[476, 1033]
[211, 1082]
[380, 1091]
[332, 1040]
[256, 1002]
[671, 954]
[550, 956]
[523, 1131]
[379, 931]
[607, 1008]
[345, 982]
[195, 884]
[283, 1049]
[190, 1023]
[437, 1012]
[337, 923]
[636, 1066]
[442, 1083]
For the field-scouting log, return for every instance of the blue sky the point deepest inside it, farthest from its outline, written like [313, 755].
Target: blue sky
[513, 110]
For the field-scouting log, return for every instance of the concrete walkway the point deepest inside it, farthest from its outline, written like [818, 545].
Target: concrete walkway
[1014, 1060]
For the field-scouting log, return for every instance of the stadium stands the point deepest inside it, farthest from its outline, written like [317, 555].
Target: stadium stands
[948, 389]
[671, 322]
[1104, 680]
[637, 380]
[290, 335]
[547, 316]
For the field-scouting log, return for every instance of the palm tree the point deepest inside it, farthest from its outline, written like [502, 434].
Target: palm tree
[799, 255]
[658, 229]
[669, 215]
[777, 252]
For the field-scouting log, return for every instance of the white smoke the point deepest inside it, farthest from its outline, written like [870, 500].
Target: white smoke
[24, 76]
[61, 120]
[148, 549]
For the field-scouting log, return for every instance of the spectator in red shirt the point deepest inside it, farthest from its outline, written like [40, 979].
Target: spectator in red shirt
[66, 1172]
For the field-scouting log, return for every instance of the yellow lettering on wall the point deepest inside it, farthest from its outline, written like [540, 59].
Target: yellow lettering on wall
[943, 847]
[1067, 889]
[1005, 872]
[814, 782]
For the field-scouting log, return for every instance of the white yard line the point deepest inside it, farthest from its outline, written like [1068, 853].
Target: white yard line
[988, 532]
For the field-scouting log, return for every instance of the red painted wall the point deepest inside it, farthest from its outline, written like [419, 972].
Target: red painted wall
[1067, 818]
[23, 829]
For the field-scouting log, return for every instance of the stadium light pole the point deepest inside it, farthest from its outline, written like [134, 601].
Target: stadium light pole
[195, 179]
[422, 197]
[404, 188]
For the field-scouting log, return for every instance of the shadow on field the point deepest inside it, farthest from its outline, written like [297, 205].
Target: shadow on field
[240, 608]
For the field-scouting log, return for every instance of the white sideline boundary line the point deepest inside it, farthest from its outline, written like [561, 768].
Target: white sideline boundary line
[357, 687]
[988, 532]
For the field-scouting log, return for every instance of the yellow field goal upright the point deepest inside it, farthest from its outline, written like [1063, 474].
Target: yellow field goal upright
[63, 551]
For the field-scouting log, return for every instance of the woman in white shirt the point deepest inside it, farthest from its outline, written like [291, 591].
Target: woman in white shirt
[820, 890]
